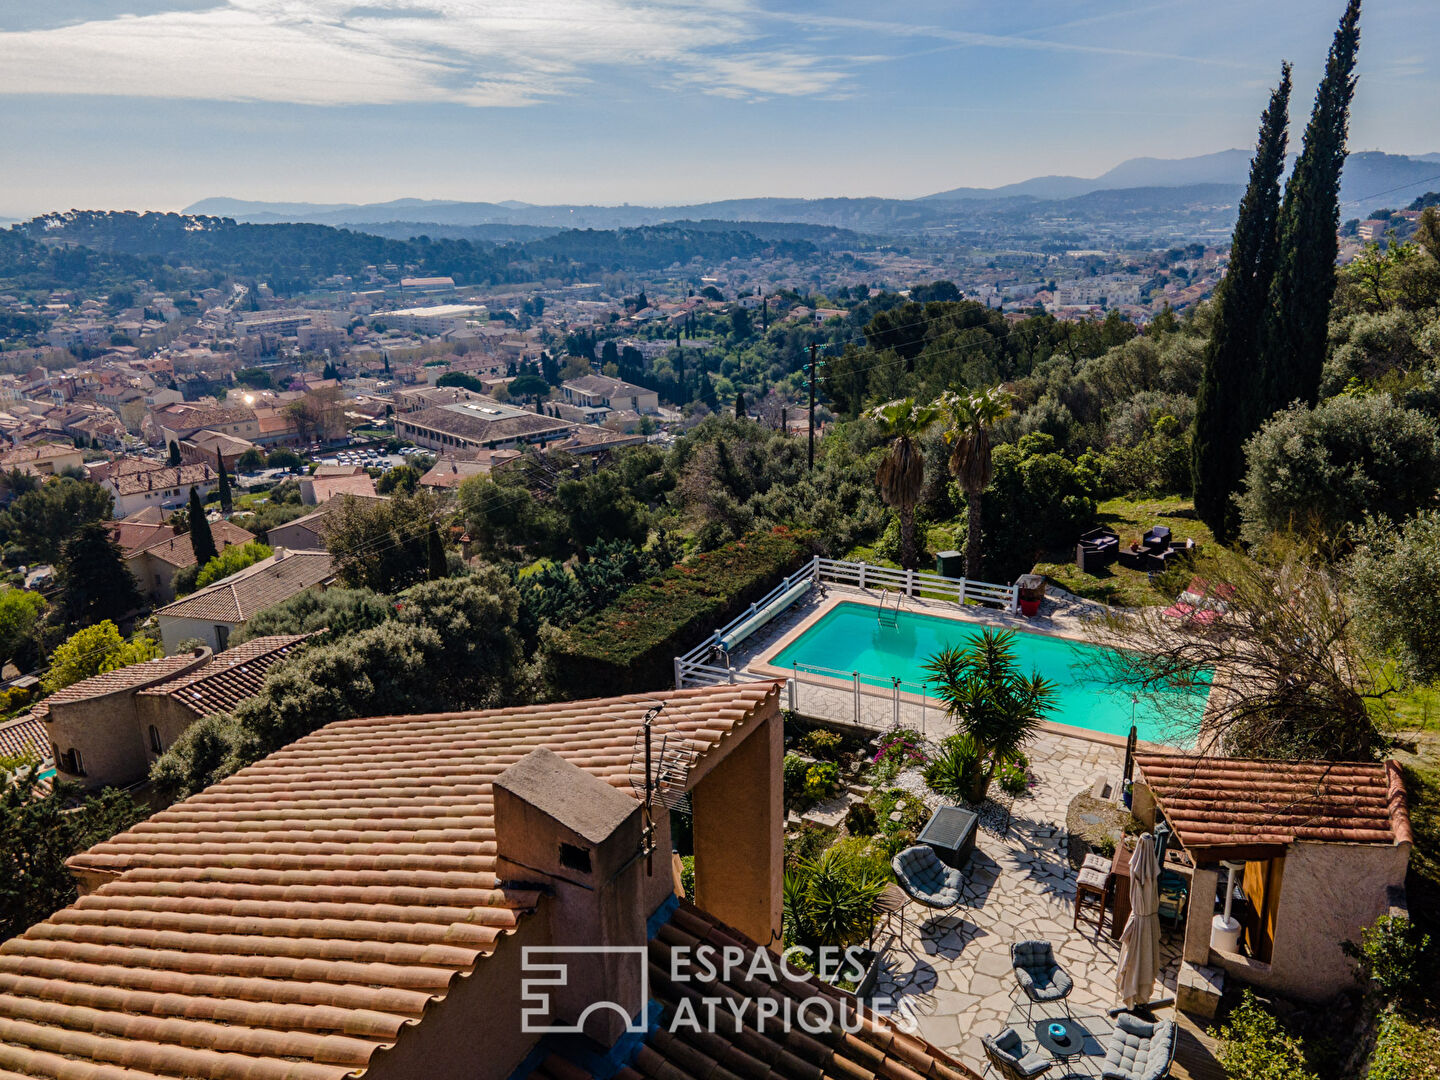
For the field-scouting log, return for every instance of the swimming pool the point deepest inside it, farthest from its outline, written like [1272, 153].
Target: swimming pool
[848, 638]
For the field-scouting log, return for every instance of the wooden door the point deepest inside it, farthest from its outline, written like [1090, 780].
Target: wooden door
[1262, 890]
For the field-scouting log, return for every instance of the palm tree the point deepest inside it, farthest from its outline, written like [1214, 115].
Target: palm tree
[969, 417]
[901, 475]
[982, 689]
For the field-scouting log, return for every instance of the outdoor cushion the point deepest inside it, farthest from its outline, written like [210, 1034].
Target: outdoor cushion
[1139, 1050]
[1037, 973]
[925, 878]
[1008, 1052]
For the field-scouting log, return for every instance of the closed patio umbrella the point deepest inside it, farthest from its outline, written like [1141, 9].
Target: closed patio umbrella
[1140, 940]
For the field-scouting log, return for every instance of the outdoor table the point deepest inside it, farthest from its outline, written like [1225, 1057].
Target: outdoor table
[1062, 1052]
[889, 903]
[950, 833]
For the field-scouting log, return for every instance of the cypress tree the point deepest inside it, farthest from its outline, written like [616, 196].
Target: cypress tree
[435, 554]
[201, 542]
[225, 498]
[174, 454]
[739, 406]
[1227, 402]
[1298, 318]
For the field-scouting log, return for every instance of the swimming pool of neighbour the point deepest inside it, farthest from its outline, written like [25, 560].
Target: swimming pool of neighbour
[849, 638]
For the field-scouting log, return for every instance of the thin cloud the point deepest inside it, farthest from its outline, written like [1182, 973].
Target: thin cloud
[479, 53]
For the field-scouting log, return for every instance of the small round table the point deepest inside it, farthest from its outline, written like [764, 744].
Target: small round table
[1063, 1052]
[889, 903]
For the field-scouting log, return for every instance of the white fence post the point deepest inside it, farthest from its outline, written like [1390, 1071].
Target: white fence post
[960, 592]
[679, 685]
[862, 575]
[909, 582]
[857, 697]
[897, 699]
[793, 690]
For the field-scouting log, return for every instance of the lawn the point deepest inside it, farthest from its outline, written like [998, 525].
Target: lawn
[1131, 519]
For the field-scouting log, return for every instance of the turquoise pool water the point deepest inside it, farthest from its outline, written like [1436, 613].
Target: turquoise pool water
[848, 638]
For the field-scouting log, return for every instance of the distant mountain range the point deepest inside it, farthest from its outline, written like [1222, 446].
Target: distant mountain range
[1372, 179]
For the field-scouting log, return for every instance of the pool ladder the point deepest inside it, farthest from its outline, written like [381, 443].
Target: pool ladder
[889, 616]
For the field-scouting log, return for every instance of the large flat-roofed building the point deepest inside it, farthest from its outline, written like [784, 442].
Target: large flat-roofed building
[591, 391]
[438, 319]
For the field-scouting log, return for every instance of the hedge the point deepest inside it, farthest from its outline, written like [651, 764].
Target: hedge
[630, 645]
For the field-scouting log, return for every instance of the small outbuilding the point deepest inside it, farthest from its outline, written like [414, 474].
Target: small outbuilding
[1318, 850]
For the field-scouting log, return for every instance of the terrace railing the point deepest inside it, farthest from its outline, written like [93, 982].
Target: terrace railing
[866, 700]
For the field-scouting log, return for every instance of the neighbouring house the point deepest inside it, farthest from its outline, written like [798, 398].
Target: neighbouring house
[1319, 849]
[308, 533]
[137, 483]
[212, 614]
[178, 422]
[155, 564]
[25, 738]
[208, 446]
[601, 391]
[42, 459]
[368, 901]
[451, 470]
[107, 730]
[317, 489]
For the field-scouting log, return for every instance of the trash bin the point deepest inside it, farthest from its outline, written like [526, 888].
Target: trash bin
[950, 564]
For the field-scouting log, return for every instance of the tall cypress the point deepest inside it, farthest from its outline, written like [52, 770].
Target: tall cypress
[1298, 318]
[1227, 402]
[201, 542]
[225, 499]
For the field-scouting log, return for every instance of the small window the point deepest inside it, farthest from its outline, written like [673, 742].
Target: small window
[573, 857]
[155, 740]
[222, 637]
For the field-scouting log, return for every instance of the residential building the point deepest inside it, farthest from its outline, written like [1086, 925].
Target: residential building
[308, 533]
[42, 459]
[137, 483]
[315, 490]
[212, 614]
[176, 422]
[452, 470]
[155, 564]
[107, 730]
[592, 391]
[376, 917]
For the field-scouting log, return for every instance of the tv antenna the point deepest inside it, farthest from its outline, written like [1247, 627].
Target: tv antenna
[659, 773]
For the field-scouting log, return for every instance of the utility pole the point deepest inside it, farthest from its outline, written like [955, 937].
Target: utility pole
[813, 348]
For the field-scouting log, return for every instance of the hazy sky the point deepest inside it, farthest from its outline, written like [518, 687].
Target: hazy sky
[157, 103]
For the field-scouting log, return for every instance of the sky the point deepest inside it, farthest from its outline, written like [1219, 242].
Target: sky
[154, 104]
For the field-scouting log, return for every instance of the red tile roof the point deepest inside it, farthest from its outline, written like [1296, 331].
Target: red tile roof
[232, 676]
[24, 737]
[876, 1050]
[125, 678]
[235, 598]
[1214, 802]
[286, 922]
[179, 551]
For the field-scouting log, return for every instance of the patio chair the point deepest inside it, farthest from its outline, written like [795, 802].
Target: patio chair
[927, 880]
[1139, 1049]
[1038, 975]
[1009, 1056]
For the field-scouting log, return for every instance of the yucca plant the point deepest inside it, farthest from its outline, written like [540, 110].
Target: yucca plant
[830, 901]
[951, 773]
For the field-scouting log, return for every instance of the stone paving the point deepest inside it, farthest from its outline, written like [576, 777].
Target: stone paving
[953, 973]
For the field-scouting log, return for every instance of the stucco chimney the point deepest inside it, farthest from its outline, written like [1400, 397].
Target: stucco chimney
[578, 838]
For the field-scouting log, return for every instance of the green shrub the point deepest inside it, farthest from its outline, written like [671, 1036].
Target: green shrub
[830, 900]
[894, 843]
[687, 876]
[1404, 1050]
[793, 769]
[900, 749]
[861, 820]
[630, 644]
[1013, 778]
[1254, 1045]
[822, 744]
[950, 773]
[1391, 955]
[807, 844]
[822, 781]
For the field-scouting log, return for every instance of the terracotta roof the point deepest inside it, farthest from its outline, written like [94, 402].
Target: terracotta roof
[769, 1052]
[285, 923]
[133, 536]
[179, 551]
[24, 737]
[109, 682]
[326, 488]
[1214, 802]
[230, 677]
[253, 589]
[161, 477]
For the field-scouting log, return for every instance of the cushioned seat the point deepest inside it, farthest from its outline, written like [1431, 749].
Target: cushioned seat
[1037, 973]
[1010, 1057]
[925, 878]
[1139, 1049]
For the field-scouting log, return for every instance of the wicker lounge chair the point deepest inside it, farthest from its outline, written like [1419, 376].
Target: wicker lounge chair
[927, 880]
[1139, 1049]
[1039, 976]
[1009, 1056]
